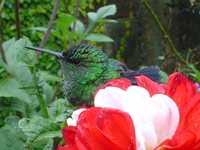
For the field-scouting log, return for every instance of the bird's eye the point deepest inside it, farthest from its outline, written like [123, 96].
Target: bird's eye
[76, 62]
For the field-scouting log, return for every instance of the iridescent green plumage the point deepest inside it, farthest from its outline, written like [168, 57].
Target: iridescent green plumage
[85, 68]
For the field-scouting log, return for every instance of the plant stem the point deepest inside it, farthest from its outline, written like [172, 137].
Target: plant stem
[3, 56]
[17, 21]
[40, 100]
[43, 106]
[1, 6]
[166, 35]
[56, 91]
[53, 17]
[74, 24]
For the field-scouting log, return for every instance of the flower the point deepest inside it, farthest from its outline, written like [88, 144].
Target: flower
[186, 96]
[149, 116]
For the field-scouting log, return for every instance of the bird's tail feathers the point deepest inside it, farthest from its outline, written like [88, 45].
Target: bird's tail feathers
[152, 72]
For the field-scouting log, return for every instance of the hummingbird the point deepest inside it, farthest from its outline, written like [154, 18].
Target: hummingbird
[85, 68]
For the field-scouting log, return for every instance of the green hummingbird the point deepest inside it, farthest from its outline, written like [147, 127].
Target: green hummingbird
[85, 68]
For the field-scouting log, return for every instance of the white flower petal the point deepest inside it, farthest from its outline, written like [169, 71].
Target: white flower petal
[165, 117]
[155, 118]
[72, 121]
[106, 98]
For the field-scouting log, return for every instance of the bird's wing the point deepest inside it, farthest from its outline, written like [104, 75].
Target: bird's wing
[152, 72]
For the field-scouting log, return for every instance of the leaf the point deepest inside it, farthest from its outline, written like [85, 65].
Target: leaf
[92, 16]
[49, 135]
[12, 121]
[47, 92]
[21, 73]
[45, 144]
[11, 138]
[49, 145]
[164, 76]
[12, 105]
[18, 57]
[49, 77]
[23, 54]
[79, 28]
[59, 107]
[63, 117]
[16, 51]
[39, 29]
[8, 44]
[64, 21]
[99, 16]
[106, 11]
[98, 38]
[108, 21]
[196, 72]
[11, 88]
[38, 127]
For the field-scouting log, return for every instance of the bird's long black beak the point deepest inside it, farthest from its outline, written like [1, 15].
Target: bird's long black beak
[57, 54]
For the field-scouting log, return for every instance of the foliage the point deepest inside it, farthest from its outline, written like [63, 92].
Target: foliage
[26, 91]
[22, 91]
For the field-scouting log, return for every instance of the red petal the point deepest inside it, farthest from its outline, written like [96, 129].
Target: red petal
[187, 135]
[121, 83]
[193, 117]
[180, 89]
[181, 141]
[105, 128]
[151, 86]
[69, 133]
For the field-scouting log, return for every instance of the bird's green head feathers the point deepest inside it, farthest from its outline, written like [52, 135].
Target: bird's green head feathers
[84, 54]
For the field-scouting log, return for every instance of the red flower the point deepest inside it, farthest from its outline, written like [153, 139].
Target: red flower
[100, 128]
[185, 94]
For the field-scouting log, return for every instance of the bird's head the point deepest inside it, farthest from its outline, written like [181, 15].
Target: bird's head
[77, 55]
[84, 54]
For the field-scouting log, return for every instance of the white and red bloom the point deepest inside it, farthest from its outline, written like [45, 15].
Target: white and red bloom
[149, 116]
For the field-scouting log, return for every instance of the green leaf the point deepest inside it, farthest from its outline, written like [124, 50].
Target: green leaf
[16, 51]
[64, 21]
[79, 28]
[38, 128]
[8, 44]
[47, 92]
[106, 11]
[49, 77]
[12, 121]
[48, 145]
[21, 73]
[23, 54]
[12, 105]
[100, 16]
[196, 72]
[39, 29]
[11, 138]
[164, 76]
[92, 16]
[98, 38]
[63, 117]
[11, 88]
[49, 135]
[59, 107]
[108, 21]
